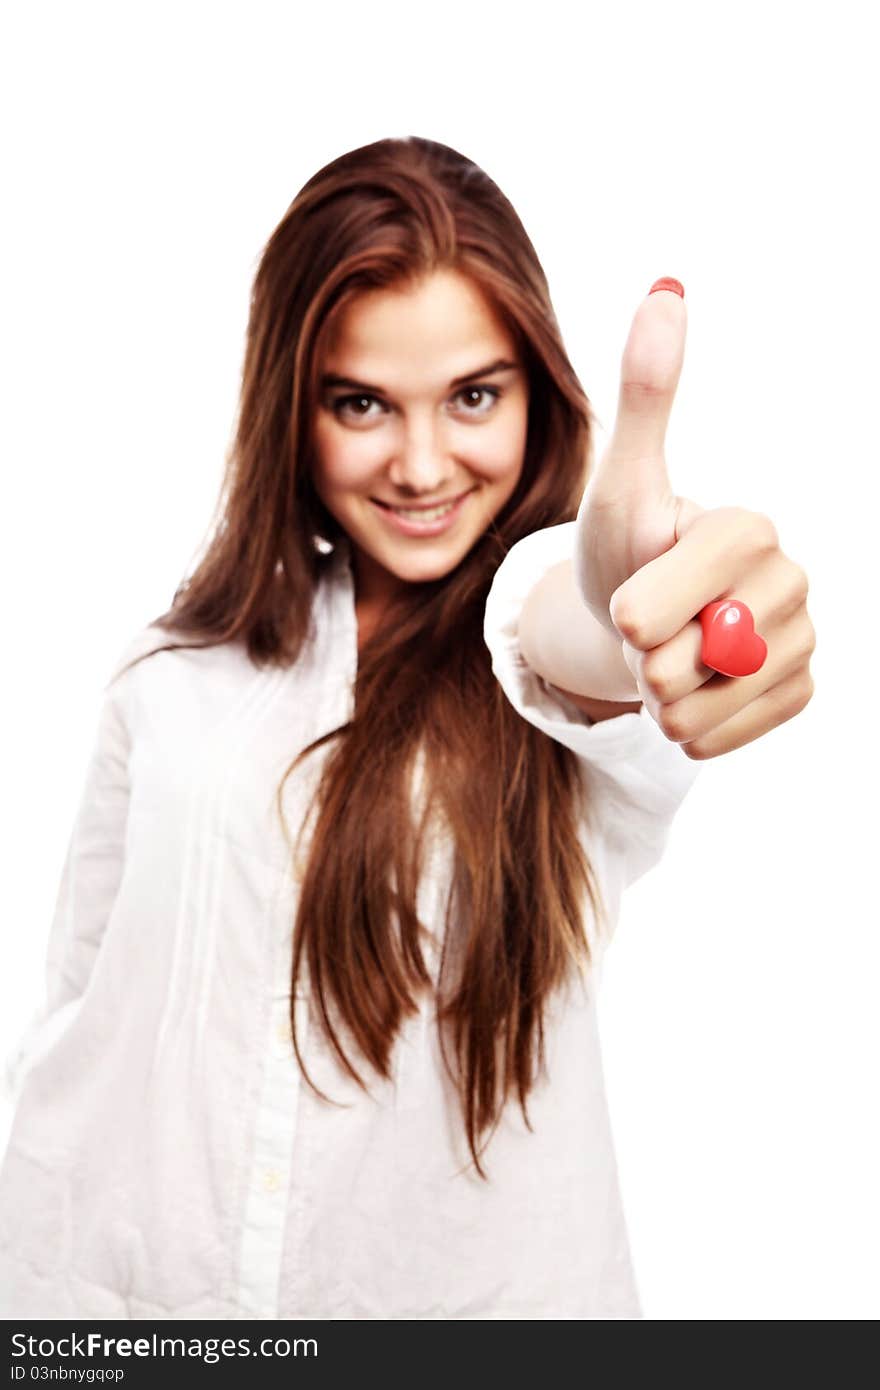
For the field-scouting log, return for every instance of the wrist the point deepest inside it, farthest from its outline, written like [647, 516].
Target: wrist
[563, 641]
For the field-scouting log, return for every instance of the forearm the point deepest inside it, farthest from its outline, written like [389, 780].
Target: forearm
[564, 643]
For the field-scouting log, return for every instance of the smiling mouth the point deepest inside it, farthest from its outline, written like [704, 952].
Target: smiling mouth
[425, 512]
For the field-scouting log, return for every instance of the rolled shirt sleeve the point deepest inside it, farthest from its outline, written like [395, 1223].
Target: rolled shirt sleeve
[637, 777]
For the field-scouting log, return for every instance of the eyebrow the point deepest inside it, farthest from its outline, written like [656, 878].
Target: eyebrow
[502, 365]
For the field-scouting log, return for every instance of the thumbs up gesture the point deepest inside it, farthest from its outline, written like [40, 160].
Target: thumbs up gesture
[648, 564]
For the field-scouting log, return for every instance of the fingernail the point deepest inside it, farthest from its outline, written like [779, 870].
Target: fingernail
[666, 282]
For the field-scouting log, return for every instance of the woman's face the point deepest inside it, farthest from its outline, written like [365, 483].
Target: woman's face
[422, 401]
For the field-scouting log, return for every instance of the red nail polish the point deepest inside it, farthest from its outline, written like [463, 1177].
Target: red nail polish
[666, 282]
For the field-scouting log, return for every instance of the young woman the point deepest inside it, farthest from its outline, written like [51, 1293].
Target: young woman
[320, 1036]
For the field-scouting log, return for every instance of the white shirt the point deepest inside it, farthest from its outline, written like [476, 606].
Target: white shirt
[166, 1160]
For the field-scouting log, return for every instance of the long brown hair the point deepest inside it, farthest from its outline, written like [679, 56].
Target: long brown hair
[510, 798]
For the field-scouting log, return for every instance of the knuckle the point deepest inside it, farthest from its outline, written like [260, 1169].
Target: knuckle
[757, 530]
[629, 623]
[809, 637]
[801, 642]
[748, 533]
[800, 693]
[800, 584]
[696, 751]
[656, 678]
[766, 532]
[674, 723]
[644, 391]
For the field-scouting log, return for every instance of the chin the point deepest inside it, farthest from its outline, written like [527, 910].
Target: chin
[422, 569]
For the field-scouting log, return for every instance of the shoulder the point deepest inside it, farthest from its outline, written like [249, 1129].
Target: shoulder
[144, 642]
[161, 670]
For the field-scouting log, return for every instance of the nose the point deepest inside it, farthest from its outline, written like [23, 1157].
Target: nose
[421, 466]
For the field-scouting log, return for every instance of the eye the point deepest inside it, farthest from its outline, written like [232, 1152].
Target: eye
[340, 401]
[492, 392]
[343, 406]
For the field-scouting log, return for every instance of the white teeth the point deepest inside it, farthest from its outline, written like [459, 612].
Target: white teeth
[431, 514]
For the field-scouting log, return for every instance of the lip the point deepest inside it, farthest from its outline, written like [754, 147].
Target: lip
[424, 506]
[427, 528]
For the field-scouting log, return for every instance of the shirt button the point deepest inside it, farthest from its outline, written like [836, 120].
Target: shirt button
[271, 1179]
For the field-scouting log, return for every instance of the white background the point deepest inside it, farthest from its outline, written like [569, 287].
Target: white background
[150, 151]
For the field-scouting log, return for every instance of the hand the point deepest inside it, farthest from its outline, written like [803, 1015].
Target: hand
[647, 562]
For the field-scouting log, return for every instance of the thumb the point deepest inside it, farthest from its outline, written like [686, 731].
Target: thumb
[650, 369]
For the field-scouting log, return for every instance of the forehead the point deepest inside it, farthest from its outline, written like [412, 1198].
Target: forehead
[440, 326]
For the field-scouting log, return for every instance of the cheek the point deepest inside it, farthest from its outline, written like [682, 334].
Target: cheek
[509, 432]
[502, 457]
[343, 464]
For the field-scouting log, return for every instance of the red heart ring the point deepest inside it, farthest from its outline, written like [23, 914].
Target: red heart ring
[731, 646]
